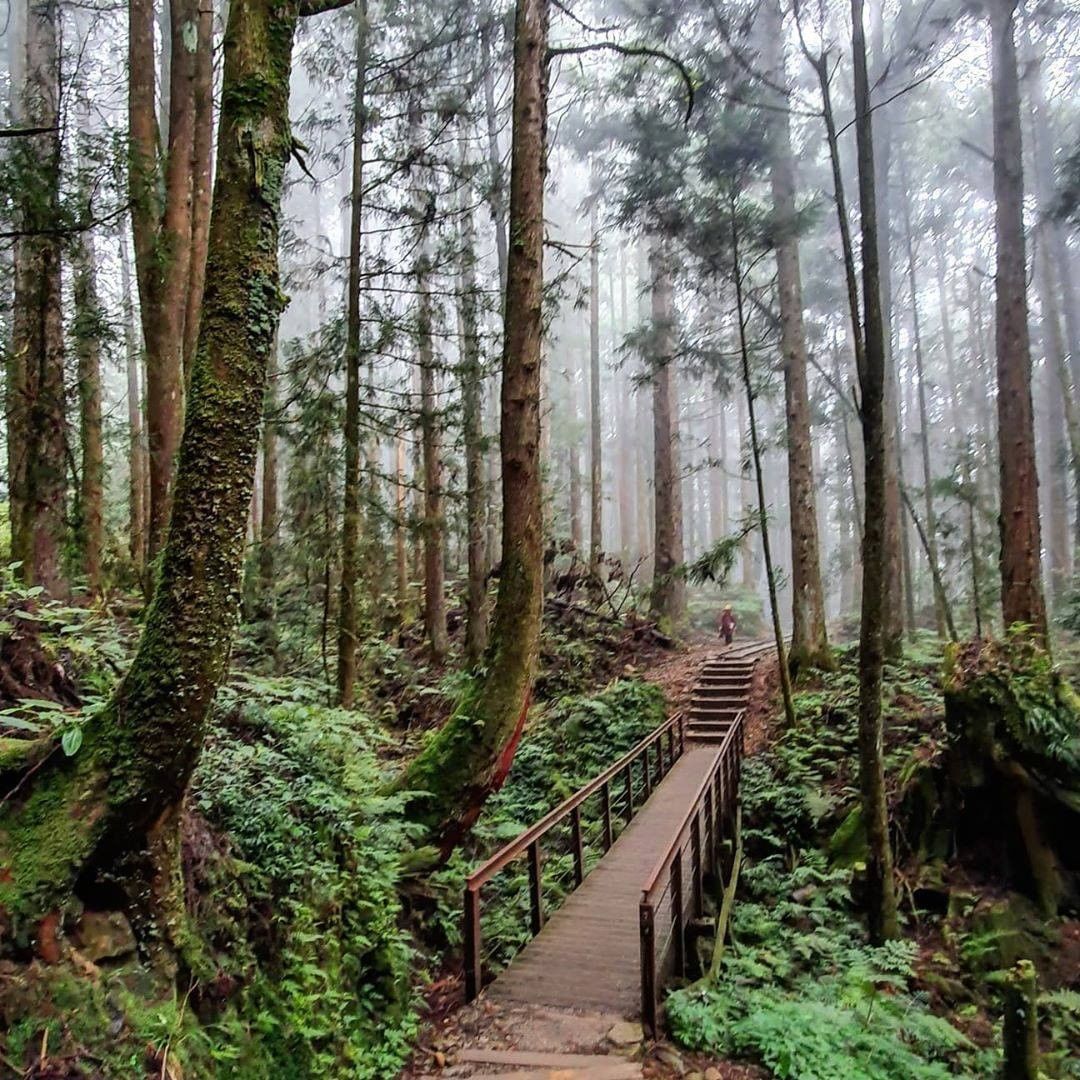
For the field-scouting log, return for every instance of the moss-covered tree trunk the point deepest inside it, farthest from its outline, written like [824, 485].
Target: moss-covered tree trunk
[471, 755]
[105, 818]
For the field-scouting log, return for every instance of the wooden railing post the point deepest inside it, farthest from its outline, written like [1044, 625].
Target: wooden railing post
[629, 791]
[605, 810]
[678, 929]
[579, 850]
[648, 968]
[536, 899]
[659, 760]
[697, 866]
[471, 941]
[710, 827]
[645, 772]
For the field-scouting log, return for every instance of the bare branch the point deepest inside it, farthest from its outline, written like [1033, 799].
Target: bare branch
[633, 50]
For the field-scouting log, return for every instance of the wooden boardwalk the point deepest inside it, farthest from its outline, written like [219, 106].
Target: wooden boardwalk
[587, 956]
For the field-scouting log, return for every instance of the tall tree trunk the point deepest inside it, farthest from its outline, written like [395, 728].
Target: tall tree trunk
[269, 539]
[668, 592]
[39, 534]
[136, 442]
[202, 156]
[596, 505]
[471, 756]
[718, 471]
[350, 509]
[15, 358]
[881, 893]
[1021, 577]
[809, 641]
[576, 532]
[431, 448]
[476, 616]
[161, 190]
[755, 449]
[401, 516]
[112, 809]
[899, 606]
[87, 334]
[930, 525]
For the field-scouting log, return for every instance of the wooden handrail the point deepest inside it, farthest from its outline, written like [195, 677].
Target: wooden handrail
[506, 854]
[528, 841]
[668, 872]
[680, 834]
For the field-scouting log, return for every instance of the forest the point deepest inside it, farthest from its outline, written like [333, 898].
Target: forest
[420, 417]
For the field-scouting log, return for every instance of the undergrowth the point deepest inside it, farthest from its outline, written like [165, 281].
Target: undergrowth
[798, 989]
[566, 744]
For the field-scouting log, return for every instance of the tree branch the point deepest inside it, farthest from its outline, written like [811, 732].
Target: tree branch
[633, 50]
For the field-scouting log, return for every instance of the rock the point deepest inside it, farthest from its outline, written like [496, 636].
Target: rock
[807, 892]
[672, 1058]
[440, 1059]
[1003, 931]
[712, 1073]
[104, 935]
[625, 1033]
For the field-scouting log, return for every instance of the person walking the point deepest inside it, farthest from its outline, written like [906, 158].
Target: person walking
[727, 624]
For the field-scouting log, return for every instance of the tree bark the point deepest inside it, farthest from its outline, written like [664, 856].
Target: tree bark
[87, 334]
[430, 443]
[930, 533]
[39, 533]
[1021, 579]
[270, 524]
[668, 592]
[111, 810]
[136, 439]
[881, 895]
[476, 616]
[809, 641]
[596, 495]
[161, 188]
[471, 756]
[350, 510]
[755, 449]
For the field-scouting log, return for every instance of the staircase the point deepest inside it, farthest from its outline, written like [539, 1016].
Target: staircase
[721, 691]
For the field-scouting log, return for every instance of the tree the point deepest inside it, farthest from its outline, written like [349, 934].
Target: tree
[164, 196]
[87, 332]
[350, 511]
[472, 423]
[1021, 570]
[110, 812]
[470, 756]
[881, 894]
[668, 600]
[596, 472]
[809, 641]
[37, 420]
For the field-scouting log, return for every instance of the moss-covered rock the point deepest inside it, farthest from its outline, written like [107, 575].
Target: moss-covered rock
[1013, 764]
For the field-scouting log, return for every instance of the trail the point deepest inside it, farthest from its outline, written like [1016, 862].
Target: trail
[566, 1038]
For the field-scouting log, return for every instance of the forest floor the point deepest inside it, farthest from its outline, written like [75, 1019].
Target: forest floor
[571, 1044]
